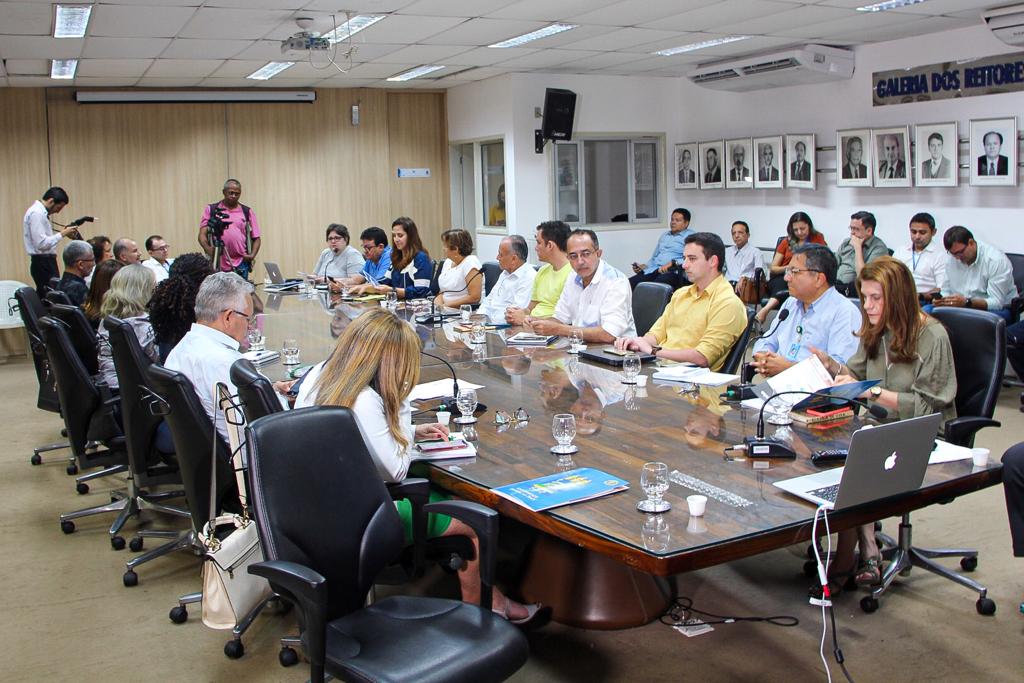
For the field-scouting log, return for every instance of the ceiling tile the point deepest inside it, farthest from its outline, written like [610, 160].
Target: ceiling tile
[358, 6]
[209, 22]
[932, 7]
[486, 56]
[257, 4]
[379, 70]
[406, 29]
[151, 82]
[708, 17]
[124, 48]
[572, 36]
[422, 54]
[39, 47]
[547, 10]
[854, 22]
[548, 58]
[478, 74]
[27, 67]
[635, 12]
[184, 68]
[106, 81]
[623, 39]
[603, 60]
[483, 32]
[343, 81]
[26, 18]
[921, 25]
[191, 48]
[773, 23]
[112, 67]
[138, 22]
[235, 68]
[453, 8]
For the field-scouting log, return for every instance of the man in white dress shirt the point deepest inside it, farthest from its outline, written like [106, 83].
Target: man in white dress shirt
[515, 284]
[158, 261]
[924, 257]
[40, 239]
[597, 303]
[742, 258]
[977, 275]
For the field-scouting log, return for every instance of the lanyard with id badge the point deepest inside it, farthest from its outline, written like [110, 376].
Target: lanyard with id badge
[794, 348]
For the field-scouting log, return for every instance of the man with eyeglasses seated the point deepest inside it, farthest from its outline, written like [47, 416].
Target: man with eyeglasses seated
[78, 264]
[977, 275]
[378, 260]
[158, 260]
[819, 316]
[597, 303]
[702, 321]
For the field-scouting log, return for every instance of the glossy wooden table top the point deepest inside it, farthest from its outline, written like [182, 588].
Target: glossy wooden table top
[619, 428]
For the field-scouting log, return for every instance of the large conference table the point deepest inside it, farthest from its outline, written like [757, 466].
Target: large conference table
[601, 563]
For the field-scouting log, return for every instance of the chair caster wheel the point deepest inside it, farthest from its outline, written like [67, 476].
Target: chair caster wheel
[234, 649]
[985, 606]
[810, 568]
[71, 469]
[288, 656]
[130, 579]
[67, 526]
[969, 564]
[36, 459]
[117, 542]
[82, 488]
[135, 545]
[179, 614]
[869, 604]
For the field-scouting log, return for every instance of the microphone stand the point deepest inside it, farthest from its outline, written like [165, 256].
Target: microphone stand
[760, 447]
[438, 318]
[738, 392]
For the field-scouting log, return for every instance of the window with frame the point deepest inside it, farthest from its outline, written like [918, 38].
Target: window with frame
[608, 180]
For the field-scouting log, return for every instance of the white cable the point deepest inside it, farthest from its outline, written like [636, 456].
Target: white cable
[823, 576]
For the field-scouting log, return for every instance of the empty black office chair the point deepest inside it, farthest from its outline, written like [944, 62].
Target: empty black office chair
[147, 467]
[492, 271]
[327, 569]
[739, 349]
[82, 333]
[56, 296]
[649, 301]
[978, 339]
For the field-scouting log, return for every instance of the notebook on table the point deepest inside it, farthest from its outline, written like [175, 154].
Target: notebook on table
[884, 461]
[609, 356]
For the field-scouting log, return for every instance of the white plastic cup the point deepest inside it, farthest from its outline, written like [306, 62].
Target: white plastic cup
[641, 380]
[696, 504]
[980, 456]
[443, 417]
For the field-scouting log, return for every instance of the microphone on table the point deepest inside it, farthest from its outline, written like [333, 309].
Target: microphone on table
[760, 447]
[738, 392]
[436, 318]
[450, 401]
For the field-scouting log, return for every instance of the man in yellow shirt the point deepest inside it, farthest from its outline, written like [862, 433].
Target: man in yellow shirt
[701, 322]
[552, 241]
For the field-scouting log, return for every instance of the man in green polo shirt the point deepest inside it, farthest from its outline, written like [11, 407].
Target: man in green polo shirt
[552, 238]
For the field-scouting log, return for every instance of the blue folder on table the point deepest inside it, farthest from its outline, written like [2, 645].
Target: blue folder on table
[554, 490]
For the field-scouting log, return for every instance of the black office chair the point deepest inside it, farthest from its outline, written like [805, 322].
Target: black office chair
[82, 333]
[649, 302]
[147, 467]
[30, 307]
[1017, 303]
[978, 339]
[56, 296]
[492, 271]
[327, 569]
[53, 284]
[739, 349]
[255, 392]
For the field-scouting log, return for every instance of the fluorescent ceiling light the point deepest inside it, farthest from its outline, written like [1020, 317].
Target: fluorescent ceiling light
[536, 35]
[63, 68]
[889, 4]
[417, 72]
[71, 21]
[352, 27]
[270, 70]
[699, 46]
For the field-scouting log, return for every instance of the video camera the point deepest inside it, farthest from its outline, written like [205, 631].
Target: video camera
[216, 224]
[76, 235]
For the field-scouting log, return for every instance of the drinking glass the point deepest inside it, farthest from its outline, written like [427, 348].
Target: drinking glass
[575, 342]
[478, 333]
[255, 338]
[630, 367]
[654, 482]
[290, 352]
[344, 290]
[466, 403]
[391, 299]
[563, 428]
[656, 534]
[465, 311]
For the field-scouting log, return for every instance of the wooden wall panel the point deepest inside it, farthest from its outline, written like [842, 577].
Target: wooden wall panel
[25, 178]
[418, 136]
[141, 169]
[305, 166]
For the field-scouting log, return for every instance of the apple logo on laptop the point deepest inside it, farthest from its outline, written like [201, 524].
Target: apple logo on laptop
[890, 462]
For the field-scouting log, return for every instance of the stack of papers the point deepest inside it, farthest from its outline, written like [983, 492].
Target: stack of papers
[437, 389]
[467, 451]
[693, 375]
[530, 339]
[947, 452]
[807, 375]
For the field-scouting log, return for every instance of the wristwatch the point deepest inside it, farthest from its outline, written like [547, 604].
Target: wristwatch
[655, 349]
[875, 392]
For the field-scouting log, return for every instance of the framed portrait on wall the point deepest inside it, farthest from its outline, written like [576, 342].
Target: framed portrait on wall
[936, 148]
[994, 151]
[710, 167]
[686, 166]
[768, 152]
[892, 156]
[739, 161]
[853, 157]
[801, 169]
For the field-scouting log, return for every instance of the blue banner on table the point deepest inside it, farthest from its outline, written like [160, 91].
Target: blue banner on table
[564, 488]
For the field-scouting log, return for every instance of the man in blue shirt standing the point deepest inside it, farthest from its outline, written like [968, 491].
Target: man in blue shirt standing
[665, 264]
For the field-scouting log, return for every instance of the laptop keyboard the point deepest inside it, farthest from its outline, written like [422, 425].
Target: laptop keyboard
[826, 493]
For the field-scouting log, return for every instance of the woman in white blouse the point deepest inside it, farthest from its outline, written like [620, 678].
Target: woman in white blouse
[460, 281]
[340, 259]
[372, 370]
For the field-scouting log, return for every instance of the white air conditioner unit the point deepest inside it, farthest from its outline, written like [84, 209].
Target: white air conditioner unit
[1006, 23]
[792, 66]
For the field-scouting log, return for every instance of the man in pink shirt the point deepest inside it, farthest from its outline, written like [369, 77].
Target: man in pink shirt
[240, 236]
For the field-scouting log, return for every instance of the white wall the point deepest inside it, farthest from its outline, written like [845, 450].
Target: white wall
[683, 112]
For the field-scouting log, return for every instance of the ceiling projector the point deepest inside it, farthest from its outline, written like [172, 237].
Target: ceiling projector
[304, 42]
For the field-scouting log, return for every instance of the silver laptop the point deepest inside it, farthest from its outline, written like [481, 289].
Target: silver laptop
[884, 461]
[277, 280]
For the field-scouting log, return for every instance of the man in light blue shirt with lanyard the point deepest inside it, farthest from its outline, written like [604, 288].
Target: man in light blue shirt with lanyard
[665, 264]
[819, 316]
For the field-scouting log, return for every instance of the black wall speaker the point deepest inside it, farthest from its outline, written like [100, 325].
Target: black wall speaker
[559, 111]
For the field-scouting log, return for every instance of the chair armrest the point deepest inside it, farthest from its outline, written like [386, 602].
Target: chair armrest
[961, 430]
[484, 521]
[417, 491]
[307, 590]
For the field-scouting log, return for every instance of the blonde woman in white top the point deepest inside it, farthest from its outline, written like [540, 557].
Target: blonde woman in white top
[461, 281]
